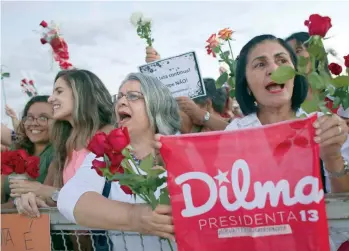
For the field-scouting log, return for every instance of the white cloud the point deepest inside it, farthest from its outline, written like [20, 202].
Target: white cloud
[102, 39]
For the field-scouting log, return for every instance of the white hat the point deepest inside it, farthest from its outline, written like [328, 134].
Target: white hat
[343, 113]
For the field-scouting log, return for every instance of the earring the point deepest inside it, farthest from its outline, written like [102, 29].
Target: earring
[249, 91]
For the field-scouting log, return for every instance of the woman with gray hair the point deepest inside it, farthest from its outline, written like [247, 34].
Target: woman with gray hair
[146, 107]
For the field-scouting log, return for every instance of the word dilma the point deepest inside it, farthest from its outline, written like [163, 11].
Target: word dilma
[261, 191]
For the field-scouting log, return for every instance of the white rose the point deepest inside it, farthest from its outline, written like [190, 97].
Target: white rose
[145, 20]
[135, 18]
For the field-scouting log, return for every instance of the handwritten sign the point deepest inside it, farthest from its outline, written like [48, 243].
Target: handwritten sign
[180, 74]
[20, 233]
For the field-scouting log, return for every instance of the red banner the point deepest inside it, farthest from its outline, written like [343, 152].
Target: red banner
[256, 189]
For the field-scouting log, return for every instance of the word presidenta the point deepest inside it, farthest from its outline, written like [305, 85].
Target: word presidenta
[261, 191]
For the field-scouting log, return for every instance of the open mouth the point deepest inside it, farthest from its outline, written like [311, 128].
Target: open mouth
[274, 87]
[55, 107]
[35, 131]
[124, 117]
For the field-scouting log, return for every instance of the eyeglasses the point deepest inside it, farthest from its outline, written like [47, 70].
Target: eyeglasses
[130, 96]
[42, 120]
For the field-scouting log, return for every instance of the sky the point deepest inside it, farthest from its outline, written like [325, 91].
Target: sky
[102, 39]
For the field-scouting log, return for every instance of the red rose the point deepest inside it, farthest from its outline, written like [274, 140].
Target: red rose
[63, 54]
[24, 80]
[58, 44]
[19, 165]
[126, 189]
[118, 139]
[22, 154]
[115, 158]
[43, 24]
[335, 69]
[43, 41]
[97, 144]
[318, 25]
[210, 51]
[7, 166]
[33, 167]
[6, 169]
[65, 65]
[346, 62]
[31, 82]
[116, 169]
[98, 166]
[225, 34]
[213, 41]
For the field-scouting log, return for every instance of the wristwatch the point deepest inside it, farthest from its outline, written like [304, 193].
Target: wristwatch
[55, 195]
[344, 171]
[206, 117]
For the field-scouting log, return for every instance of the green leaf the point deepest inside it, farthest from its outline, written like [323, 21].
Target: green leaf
[153, 200]
[345, 102]
[5, 75]
[341, 81]
[316, 81]
[128, 179]
[310, 106]
[282, 74]
[160, 181]
[331, 90]
[226, 53]
[336, 102]
[216, 49]
[316, 48]
[302, 64]
[164, 198]
[156, 172]
[231, 82]
[147, 163]
[232, 93]
[324, 109]
[126, 153]
[127, 167]
[222, 80]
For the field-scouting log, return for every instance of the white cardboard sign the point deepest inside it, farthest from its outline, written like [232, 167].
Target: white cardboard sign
[181, 74]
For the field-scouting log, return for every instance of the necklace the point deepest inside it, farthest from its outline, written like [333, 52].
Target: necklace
[137, 161]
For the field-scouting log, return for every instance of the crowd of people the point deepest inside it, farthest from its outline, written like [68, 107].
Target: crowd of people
[57, 128]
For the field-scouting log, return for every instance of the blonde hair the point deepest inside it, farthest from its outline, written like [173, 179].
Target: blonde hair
[92, 111]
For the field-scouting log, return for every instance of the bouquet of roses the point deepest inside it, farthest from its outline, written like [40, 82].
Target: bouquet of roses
[214, 47]
[143, 25]
[52, 36]
[322, 83]
[28, 87]
[19, 162]
[119, 164]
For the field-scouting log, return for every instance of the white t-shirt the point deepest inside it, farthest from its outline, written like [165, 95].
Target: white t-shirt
[87, 180]
[252, 120]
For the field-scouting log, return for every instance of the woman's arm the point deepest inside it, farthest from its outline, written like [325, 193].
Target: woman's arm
[6, 135]
[80, 201]
[13, 115]
[197, 115]
[44, 191]
[338, 184]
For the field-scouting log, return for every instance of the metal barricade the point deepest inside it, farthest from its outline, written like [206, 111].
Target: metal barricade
[71, 237]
